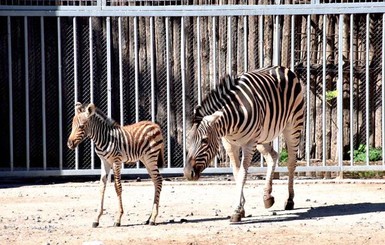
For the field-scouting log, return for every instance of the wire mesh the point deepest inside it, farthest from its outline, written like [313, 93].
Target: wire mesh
[68, 88]
[169, 2]
[209, 38]
[4, 95]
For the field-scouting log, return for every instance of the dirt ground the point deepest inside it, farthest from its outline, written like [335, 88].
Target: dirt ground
[326, 212]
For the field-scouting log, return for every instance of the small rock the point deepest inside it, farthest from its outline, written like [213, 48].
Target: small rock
[171, 221]
[183, 220]
[308, 200]
[274, 213]
[138, 179]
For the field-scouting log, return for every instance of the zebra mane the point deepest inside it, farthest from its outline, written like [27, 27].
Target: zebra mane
[213, 100]
[110, 122]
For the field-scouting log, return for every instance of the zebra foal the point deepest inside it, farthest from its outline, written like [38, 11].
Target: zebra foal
[115, 144]
[247, 113]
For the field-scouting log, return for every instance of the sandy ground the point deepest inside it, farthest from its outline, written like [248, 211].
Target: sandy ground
[326, 212]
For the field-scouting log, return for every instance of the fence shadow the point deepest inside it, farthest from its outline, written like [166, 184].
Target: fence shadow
[318, 212]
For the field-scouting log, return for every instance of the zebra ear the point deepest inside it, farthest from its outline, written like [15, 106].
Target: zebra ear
[211, 119]
[90, 109]
[197, 108]
[78, 108]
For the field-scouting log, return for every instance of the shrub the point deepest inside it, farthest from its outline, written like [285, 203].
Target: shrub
[283, 156]
[359, 155]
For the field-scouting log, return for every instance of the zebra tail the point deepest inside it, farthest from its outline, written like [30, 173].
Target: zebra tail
[161, 158]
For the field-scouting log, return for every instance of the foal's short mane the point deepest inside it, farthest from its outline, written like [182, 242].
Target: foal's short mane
[110, 122]
[214, 98]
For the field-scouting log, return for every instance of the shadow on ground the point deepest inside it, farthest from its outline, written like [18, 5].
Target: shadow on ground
[318, 212]
[296, 214]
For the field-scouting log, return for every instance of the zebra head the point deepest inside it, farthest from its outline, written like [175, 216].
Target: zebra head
[202, 145]
[80, 124]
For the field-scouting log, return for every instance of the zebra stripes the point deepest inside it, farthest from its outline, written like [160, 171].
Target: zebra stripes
[115, 144]
[247, 113]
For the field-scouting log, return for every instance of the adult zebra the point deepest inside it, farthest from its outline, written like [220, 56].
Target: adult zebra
[115, 144]
[248, 112]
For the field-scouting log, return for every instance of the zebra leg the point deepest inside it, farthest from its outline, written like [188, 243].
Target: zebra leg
[240, 182]
[156, 178]
[292, 141]
[118, 188]
[103, 181]
[233, 153]
[271, 157]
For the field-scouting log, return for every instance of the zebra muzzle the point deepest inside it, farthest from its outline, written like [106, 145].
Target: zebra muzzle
[71, 144]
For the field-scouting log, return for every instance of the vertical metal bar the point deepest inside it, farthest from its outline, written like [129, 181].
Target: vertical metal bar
[340, 140]
[168, 72]
[42, 32]
[276, 44]
[292, 53]
[75, 81]
[351, 91]
[136, 50]
[245, 44]
[276, 61]
[121, 102]
[261, 56]
[60, 93]
[91, 43]
[199, 61]
[26, 69]
[214, 80]
[213, 85]
[308, 91]
[109, 85]
[229, 45]
[383, 89]
[324, 42]
[261, 51]
[183, 73]
[10, 91]
[152, 50]
[367, 87]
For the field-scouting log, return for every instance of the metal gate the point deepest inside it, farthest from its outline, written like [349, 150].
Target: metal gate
[155, 60]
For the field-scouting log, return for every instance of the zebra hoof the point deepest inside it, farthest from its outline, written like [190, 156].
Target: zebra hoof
[242, 213]
[95, 224]
[269, 202]
[289, 205]
[235, 218]
[147, 222]
[151, 223]
[116, 224]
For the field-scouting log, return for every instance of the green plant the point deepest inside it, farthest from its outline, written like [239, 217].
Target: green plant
[359, 155]
[332, 94]
[283, 156]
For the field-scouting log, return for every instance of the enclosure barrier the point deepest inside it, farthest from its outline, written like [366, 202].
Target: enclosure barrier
[156, 60]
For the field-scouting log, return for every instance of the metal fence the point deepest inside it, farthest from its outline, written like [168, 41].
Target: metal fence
[155, 60]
